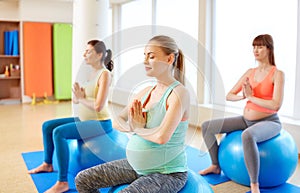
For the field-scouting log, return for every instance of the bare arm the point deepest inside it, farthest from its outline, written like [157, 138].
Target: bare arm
[276, 102]
[120, 122]
[233, 94]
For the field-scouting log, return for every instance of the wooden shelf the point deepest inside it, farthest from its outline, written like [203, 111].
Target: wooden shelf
[10, 86]
[10, 101]
[9, 56]
[10, 78]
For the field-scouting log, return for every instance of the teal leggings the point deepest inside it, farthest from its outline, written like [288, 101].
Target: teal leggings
[56, 132]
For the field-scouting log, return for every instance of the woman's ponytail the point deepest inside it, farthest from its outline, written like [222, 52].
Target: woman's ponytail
[179, 67]
[100, 47]
[109, 64]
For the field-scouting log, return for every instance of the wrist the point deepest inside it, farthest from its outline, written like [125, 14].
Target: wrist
[80, 100]
[131, 132]
[75, 101]
[250, 97]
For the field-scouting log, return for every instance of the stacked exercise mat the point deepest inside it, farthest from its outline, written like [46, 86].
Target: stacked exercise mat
[11, 42]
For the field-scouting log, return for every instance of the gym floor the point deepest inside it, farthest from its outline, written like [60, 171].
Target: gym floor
[21, 132]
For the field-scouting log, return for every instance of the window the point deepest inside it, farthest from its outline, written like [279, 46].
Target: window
[136, 14]
[179, 14]
[133, 14]
[236, 28]
[182, 16]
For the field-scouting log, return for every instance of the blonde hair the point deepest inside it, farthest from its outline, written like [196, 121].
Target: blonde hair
[169, 46]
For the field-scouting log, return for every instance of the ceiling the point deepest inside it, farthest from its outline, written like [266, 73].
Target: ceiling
[111, 1]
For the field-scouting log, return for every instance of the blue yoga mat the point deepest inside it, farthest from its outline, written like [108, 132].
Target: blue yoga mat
[44, 181]
[284, 188]
[199, 160]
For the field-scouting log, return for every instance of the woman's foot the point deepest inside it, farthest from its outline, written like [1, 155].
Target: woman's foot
[44, 167]
[59, 187]
[254, 188]
[213, 169]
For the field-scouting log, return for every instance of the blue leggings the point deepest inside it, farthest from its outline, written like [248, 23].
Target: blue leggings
[253, 132]
[57, 131]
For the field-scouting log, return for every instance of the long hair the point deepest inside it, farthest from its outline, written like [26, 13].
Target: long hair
[100, 47]
[266, 40]
[169, 46]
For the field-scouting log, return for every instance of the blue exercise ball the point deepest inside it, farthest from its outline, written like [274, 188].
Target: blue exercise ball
[278, 159]
[96, 150]
[194, 184]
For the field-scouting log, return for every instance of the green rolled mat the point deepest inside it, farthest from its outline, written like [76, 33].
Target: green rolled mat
[62, 60]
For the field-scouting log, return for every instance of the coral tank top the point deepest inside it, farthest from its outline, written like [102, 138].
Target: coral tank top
[263, 89]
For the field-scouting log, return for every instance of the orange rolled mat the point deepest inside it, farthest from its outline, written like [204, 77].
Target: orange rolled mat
[37, 51]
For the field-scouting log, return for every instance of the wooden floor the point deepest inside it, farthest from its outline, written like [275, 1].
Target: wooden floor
[20, 130]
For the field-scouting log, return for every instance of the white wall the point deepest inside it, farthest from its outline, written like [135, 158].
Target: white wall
[46, 11]
[9, 10]
[37, 10]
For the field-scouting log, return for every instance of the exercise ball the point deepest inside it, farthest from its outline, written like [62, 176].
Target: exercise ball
[278, 159]
[194, 184]
[96, 150]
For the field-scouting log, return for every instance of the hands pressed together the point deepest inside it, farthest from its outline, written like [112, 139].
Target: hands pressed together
[78, 92]
[136, 116]
[247, 89]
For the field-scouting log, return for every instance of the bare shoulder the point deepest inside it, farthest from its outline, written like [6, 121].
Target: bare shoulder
[279, 75]
[248, 72]
[181, 92]
[182, 89]
[279, 72]
[105, 74]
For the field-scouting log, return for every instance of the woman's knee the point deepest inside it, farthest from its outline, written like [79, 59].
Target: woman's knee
[79, 178]
[58, 133]
[47, 127]
[204, 127]
[247, 136]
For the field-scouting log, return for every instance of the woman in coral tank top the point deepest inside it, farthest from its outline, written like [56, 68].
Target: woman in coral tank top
[263, 88]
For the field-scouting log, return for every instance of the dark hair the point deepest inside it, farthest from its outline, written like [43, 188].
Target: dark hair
[169, 46]
[100, 47]
[266, 40]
